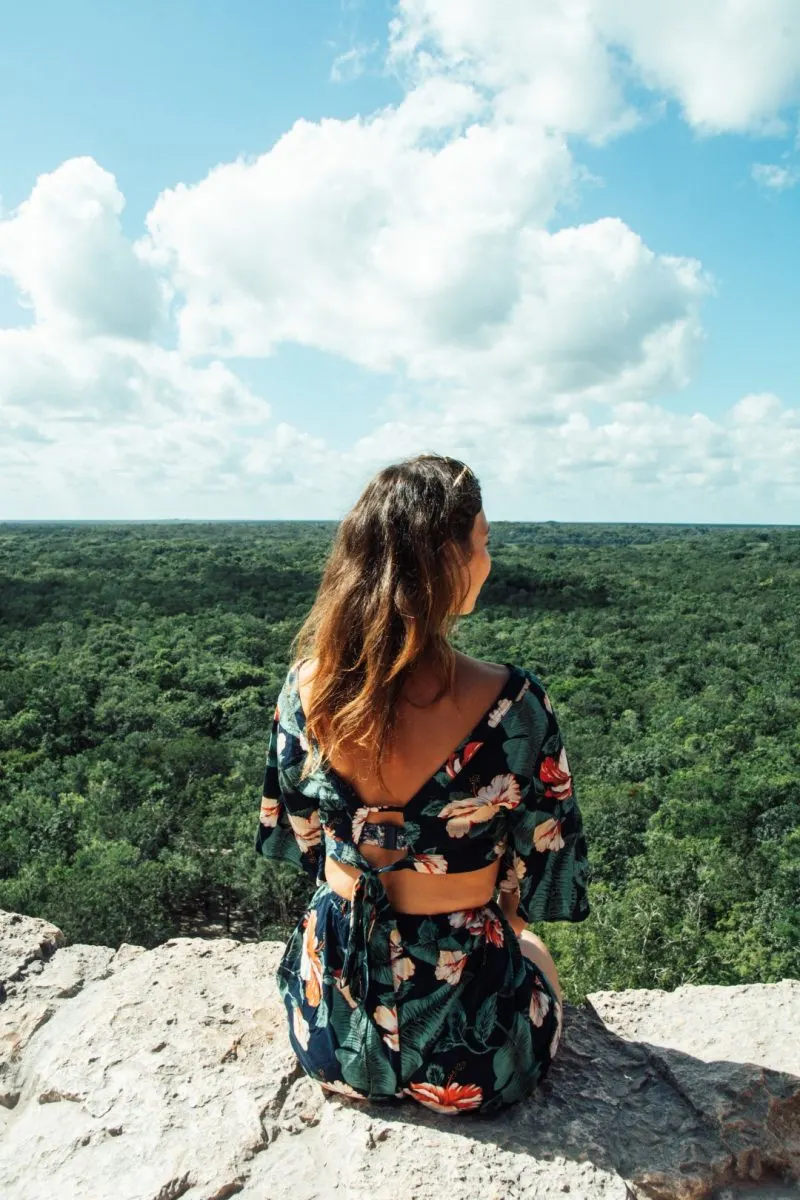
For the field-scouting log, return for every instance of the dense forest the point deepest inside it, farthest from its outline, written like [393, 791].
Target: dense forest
[140, 664]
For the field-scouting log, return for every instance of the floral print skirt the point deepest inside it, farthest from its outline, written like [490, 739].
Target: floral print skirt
[444, 1009]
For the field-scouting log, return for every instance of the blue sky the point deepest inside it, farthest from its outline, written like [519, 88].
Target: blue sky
[571, 259]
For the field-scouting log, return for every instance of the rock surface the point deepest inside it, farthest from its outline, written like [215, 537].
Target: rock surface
[154, 1074]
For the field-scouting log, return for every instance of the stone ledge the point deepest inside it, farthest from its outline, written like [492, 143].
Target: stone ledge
[154, 1074]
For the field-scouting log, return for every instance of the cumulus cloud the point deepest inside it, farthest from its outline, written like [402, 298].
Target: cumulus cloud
[359, 237]
[88, 398]
[731, 65]
[65, 251]
[363, 239]
[131, 429]
[754, 447]
[430, 240]
[546, 64]
[105, 380]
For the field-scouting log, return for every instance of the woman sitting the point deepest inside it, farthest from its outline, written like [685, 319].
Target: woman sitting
[429, 796]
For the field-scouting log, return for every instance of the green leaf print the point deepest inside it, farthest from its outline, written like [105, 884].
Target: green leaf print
[422, 1019]
[456, 1021]
[357, 1030]
[381, 974]
[340, 1015]
[486, 1019]
[524, 825]
[503, 1065]
[410, 1061]
[538, 903]
[364, 1058]
[454, 1029]
[562, 888]
[405, 988]
[427, 944]
[520, 971]
[512, 1059]
[321, 1014]
[348, 853]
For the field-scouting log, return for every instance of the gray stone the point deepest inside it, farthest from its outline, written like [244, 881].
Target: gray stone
[733, 1054]
[155, 1074]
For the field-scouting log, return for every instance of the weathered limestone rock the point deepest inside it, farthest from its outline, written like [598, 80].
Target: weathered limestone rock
[155, 1074]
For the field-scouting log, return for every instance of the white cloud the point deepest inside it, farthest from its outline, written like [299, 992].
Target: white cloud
[49, 373]
[754, 447]
[427, 239]
[114, 409]
[358, 237]
[118, 428]
[546, 64]
[65, 251]
[731, 65]
[362, 239]
[90, 405]
[759, 408]
[351, 64]
[777, 178]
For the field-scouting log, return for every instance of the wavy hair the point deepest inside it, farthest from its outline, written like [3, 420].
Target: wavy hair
[391, 591]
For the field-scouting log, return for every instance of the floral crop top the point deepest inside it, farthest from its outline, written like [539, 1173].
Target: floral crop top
[505, 792]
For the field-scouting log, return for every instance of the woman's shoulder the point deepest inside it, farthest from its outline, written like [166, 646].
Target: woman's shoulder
[522, 708]
[476, 675]
[484, 668]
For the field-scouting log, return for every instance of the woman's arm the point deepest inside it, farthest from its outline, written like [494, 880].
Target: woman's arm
[508, 906]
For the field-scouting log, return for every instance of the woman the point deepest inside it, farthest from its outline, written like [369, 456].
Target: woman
[413, 783]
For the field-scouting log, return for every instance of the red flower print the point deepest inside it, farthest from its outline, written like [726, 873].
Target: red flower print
[430, 864]
[557, 772]
[343, 988]
[482, 922]
[547, 835]
[339, 1085]
[300, 1027]
[451, 1098]
[502, 792]
[540, 1005]
[270, 812]
[459, 759]
[386, 1018]
[307, 830]
[449, 965]
[403, 967]
[310, 964]
[358, 821]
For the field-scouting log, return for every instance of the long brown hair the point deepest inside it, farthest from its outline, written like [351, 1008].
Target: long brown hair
[390, 595]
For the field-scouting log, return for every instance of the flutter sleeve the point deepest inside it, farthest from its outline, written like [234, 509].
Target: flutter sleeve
[289, 826]
[546, 859]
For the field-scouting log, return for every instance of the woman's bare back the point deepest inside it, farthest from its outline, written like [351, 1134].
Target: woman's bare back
[424, 738]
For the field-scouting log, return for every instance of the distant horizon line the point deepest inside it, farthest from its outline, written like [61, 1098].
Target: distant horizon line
[336, 521]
